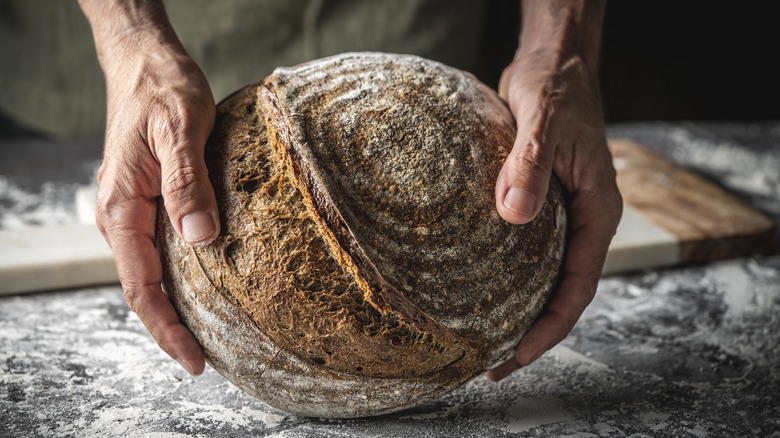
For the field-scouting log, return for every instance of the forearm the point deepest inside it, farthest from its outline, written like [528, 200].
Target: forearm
[561, 29]
[124, 28]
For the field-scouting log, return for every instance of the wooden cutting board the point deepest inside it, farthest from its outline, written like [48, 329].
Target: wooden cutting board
[674, 216]
[671, 216]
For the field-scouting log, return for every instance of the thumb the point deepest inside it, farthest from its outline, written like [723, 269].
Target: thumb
[188, 194]
[523, 181]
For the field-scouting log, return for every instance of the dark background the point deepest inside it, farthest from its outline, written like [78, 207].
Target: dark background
[677, 60]
[690, 60]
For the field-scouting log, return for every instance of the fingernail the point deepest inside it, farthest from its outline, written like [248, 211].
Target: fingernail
[186, 365]
[520, 201]
[197, 227]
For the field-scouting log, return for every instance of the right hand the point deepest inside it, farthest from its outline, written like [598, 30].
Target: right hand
[552, 90]
[560, 128]
[160, 114]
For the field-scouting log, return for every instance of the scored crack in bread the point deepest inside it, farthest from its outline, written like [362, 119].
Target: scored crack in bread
[361, 267]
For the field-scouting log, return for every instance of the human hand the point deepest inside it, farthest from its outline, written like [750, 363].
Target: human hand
[554, 96]
[160, 113]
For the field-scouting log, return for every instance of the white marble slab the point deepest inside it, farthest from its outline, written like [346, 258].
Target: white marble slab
[54, 257]
[640, 244]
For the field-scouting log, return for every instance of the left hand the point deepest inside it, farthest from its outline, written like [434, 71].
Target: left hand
[560, 127]
[160, 113]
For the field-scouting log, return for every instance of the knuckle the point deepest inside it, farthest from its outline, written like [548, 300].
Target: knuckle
[180, 183]
[135, 294]
[531, 162]
[103, 217]
[612, 201]
[617, 202]
[179, 118]
[131, 294]
[101, 224]
[167, 129]
[587, 286]
[591, 282]
[111, 211]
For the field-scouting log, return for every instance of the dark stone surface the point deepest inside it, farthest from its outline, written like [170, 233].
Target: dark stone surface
[682, 352]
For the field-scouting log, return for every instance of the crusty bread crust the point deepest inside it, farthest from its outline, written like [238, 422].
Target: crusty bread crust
[361, 268]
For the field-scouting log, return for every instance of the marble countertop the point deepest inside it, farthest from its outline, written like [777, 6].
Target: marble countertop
[686, 351]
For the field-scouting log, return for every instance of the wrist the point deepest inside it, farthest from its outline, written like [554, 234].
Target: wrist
[125, 31]
[555, 33]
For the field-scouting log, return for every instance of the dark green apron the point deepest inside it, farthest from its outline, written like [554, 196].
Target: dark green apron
[50, 80]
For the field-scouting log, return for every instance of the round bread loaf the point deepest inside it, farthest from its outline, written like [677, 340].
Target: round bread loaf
[362, 267]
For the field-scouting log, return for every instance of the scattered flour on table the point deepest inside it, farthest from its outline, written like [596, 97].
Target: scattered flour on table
[52, 204]
[236, 418]
[111, 422]
[736, 285]
[741, 168]
[528, 413]
[654, 420]
[581, 362]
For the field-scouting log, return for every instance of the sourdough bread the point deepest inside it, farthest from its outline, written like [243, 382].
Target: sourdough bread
[361, 267]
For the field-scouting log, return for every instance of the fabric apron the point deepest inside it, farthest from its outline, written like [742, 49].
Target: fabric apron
[50, 80]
